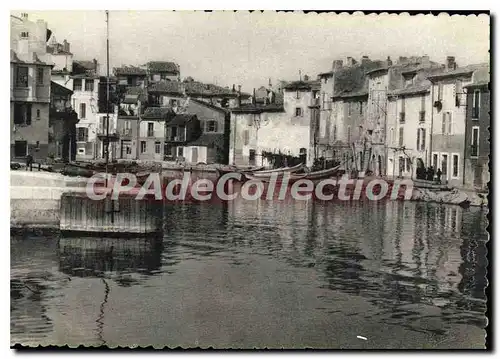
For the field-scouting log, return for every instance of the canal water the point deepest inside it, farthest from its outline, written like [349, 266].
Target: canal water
[257, 274]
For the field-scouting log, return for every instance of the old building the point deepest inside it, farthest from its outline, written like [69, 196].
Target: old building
[62, 124]
[30, 88]
[130, 75]
[179, 132]
[449, 121]
[131, 107]
[409, 110]
[288, 128]
[62, 58]
[85, 84]
[477, 131]
[152, 131]
[163, 70]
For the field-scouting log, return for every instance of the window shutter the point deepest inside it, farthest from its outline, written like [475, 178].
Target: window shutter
[423, 139]
[418, 138]
[449, 123]
[443, 126]
[28, 114]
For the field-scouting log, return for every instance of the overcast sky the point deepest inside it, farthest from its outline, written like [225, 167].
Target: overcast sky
[248, 48]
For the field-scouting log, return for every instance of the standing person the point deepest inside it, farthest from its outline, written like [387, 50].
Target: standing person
[29, 162]
[438, 174]
[430, 174]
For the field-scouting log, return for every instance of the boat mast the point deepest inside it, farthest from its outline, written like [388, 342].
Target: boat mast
[107, 95]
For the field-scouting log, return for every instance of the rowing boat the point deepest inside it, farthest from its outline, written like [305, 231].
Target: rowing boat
[279, 171]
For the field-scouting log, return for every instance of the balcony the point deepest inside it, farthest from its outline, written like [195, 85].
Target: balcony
[126, 132]
[151, 133]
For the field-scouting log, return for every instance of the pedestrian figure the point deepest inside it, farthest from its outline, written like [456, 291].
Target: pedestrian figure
[430, 174]
[438, 174]
[29, 162]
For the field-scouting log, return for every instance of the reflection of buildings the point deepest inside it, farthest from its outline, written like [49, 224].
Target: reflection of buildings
[91, 257]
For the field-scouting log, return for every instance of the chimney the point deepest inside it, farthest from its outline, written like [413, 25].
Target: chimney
[306, 78]
[425, 60]
[270, 83]
[24, 16]
[450, 63]
[239, 95]
[349, 61]
[254, 98]
[66, 45]
[95, 65]
[389, 61]
[364, 60]
[234, 88]
[337, 65]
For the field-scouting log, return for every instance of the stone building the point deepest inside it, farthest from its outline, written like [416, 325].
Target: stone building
[29, 88]
[448, 118]
[477, 131]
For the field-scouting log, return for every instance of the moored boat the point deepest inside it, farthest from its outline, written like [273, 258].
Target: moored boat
[234, 169]
[279, 171]
[279, 178]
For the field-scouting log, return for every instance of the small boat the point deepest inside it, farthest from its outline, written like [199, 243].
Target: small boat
[322, 174]
[279, 178]
[279, 171]
[234, 169]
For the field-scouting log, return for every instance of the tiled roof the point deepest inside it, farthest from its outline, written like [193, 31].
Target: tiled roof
[158, 113]
[57, 88]
[302, 85]
[412, 90]
[129, 70]
[181, 119]
[163, 66]
[469, 69]
[258, 108]
[211, 140]
[192, 88]
[89, 65]
[212, 106]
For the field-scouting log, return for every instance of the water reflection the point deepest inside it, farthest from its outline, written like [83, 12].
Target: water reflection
[421, 267]
[100, 257]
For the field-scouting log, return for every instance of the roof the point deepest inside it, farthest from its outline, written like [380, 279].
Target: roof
[353, 81]
[163, 66]
[129, 70]
[135, 94]
[412, 90]
[89, 65]
[480, 77]
[379, 69]
[181, 119]
[87, 75]
[210, 105]
[57, 88]
[14, 58]
[192, 88]
[302, 85]
[258, 108]
[461, 71]
[212, 140]
[326, 74]
[158, 113]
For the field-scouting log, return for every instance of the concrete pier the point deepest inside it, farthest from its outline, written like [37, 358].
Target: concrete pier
[125, 216]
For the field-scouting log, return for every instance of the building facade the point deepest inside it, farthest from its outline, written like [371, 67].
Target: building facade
[477, 131]
[30, 89]
[449, 121]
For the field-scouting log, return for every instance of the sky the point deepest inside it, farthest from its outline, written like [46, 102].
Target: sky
[249, 48]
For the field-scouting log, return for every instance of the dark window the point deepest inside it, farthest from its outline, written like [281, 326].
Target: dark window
[143, 146]
[401, 135]
[21, 76]
[298, 111]
[20, 148]
[38, 114]
[435, 160]
[83, 110]
[444, 165]
[82, 134]
[77, 84]
[246, 138]
[475, 104]
[180, 151]
[421, 139]
[40, 75]
[89, 85]
[251, 157]
[422, 116]
[150, 129]
[157, 147]
[361, 108]
[22, 114]
[211, 126]
[475, 142]
[401, 117]
[455, 166]
[349, 109]
[25, 34]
